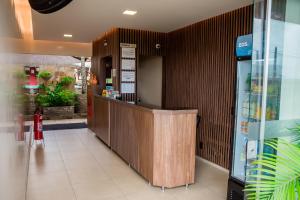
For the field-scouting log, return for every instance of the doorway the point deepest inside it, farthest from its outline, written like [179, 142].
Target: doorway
[149, 80]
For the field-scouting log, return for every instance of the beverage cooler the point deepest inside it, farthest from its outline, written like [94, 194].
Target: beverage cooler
[248, 108]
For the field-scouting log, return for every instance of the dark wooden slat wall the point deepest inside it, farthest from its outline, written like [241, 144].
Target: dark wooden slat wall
[100, 51]
[146, 46]
[145, 41]
[201, 73]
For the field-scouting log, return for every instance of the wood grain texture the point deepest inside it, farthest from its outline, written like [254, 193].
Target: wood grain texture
[160, 145]
[131, 132]
[174, 144]
[102, 119]
[90, 108]
[201, 73]
[145, 41]
[104, 46]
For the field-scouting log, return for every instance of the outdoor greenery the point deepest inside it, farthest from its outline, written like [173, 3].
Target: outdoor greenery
[67, 80]
[46, 75]
[56, 95]
[276, 176]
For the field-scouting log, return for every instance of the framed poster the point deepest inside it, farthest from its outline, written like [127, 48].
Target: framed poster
[127, 88]
[128, 64]
[128, 76]
[128, 52]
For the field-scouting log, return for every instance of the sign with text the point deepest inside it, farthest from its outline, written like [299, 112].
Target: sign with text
[127, 88]
[128, 52]
[128, 76]
[128, 64]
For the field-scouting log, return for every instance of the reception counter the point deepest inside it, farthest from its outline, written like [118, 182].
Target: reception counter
[158, 144]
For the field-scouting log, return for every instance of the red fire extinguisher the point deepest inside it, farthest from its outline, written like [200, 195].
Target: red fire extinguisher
[38, 125]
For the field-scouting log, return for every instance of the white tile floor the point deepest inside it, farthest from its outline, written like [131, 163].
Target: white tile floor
[75, 165]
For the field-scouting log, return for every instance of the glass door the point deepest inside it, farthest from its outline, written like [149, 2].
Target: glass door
[242, 119]
[276, 45]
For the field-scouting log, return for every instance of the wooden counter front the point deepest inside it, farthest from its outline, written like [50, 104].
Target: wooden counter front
[102, 118]
[158, 144]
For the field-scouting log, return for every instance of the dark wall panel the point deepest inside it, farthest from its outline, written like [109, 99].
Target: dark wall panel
[145, 41]
[107, 45]
[146, 45]
[201, 73]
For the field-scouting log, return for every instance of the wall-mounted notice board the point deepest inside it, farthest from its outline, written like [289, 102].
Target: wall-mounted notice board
[128, 76]
[127, 88]
[128, 52]
[128, 64]
[128, 68]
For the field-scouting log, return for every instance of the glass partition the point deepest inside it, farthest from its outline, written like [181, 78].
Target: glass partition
[276, 57]
[14, 144]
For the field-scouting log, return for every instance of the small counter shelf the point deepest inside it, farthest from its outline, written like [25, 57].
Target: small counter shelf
[158, 144]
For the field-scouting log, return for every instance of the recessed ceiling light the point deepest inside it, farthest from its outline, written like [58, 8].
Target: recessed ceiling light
[129, 12]
[68, 35]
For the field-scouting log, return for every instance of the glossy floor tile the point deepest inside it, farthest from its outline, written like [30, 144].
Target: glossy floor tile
[75, 165]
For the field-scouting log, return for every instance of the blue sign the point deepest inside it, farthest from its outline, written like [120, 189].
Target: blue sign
[244, 45]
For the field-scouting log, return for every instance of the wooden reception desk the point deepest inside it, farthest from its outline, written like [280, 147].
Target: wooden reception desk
[158, 144]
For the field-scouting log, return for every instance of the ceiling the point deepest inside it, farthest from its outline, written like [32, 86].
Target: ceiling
[87, 19]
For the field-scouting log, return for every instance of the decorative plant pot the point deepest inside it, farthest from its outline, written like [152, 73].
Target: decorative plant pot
[61, 112]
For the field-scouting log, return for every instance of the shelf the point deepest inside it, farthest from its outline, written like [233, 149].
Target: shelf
[260, 94]
[269, 78]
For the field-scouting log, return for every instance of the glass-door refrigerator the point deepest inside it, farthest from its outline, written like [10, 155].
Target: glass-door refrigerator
[247, 110]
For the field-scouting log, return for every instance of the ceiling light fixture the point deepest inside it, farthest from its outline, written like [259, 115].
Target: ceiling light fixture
[129, 12]
[68, 35]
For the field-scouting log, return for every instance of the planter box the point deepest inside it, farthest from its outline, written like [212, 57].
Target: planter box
[61, 112]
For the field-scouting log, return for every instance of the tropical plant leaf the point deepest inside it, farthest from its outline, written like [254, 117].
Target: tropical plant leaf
[275, 176]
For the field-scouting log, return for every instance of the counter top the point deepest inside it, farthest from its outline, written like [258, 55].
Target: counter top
[152, 108]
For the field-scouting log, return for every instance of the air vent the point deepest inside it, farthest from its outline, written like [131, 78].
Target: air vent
[48, 6]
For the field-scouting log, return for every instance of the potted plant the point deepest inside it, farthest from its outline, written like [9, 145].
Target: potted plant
[67, 82]
[45, 76]
[56, 101]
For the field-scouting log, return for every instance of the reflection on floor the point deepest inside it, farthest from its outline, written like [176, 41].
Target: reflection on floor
[75, 165]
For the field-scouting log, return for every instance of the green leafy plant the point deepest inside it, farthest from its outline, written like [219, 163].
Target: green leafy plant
[67, 80]
[55, 95]
[67, 97]
[46, 75]
[276, 176]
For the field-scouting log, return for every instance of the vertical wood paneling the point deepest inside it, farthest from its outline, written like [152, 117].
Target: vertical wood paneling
[100, 51]
[146, 42]
[201, 72]
[102, 118]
